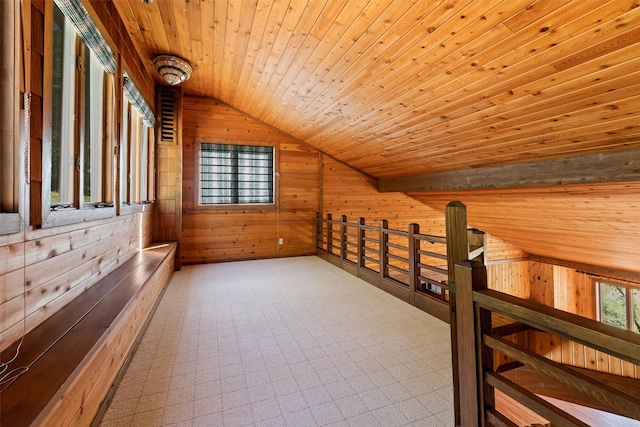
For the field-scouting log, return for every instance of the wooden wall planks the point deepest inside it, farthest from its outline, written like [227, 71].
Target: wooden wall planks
[398, 87]
[44, 270]
[591, 224]
[565, 289]
[235, 233]
[346, 191]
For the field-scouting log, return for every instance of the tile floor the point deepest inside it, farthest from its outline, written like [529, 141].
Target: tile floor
[285, 342]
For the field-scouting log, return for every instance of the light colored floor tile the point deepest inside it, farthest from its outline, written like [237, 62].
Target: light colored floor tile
[300, 418]
[364, 420]
[265, 409]
[327, 413]
[285, 342]
[351, 406]
[178, 413]
[413, 410]
[293, 402]
[374, 399]
[390, 416]
[240, 416]
[316, 395]
[396, 392]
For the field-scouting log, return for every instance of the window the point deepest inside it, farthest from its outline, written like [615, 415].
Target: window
[78, 98]
[135, 147]
[619, 305]
[236, 174]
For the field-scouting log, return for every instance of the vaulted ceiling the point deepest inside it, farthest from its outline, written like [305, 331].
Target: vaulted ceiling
[398, 88]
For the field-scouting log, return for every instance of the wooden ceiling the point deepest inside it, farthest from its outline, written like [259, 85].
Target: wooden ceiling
[406, 87]
[400, 88]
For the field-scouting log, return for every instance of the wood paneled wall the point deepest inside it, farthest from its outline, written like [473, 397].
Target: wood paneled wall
[565, 289]
[236, 233]
[590, 224]
[346, 191]
[499, 251]
[41, 271]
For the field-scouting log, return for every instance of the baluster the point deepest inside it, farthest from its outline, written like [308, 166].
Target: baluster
[329, 234]
[361, 244]
[343, 238]
[319, 231]
[414, 259]
[384, 255]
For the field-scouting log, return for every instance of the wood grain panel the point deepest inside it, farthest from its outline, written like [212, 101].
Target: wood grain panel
[589, 224]
[58, 265]
[213, 234]
[496, 250]
[513, 278]
[346, 191]
[400, 87]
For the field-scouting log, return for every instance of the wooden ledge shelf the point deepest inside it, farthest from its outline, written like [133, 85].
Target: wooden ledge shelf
[74, 356]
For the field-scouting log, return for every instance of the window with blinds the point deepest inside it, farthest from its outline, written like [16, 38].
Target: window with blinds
[236, 174]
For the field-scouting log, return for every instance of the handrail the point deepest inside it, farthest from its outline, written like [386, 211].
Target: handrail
[475, 305]
[387, 256]
[416, 284]
[609, 339]
[431, 239]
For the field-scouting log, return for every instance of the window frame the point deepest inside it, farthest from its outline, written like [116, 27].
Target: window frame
[129, 159]
[235, 206]
[80, 212]
[629, 311]
[12, 188]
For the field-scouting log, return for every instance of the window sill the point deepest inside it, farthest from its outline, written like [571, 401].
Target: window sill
[267, 207]
[73, 216]
[10, 223]
[131, 208]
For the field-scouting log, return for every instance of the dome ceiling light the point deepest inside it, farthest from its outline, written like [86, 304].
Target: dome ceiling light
[172, 69]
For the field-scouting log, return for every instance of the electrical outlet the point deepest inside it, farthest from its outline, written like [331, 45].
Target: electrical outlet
[281, 241]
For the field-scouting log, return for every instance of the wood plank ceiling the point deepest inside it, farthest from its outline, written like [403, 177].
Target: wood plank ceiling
[411, 87]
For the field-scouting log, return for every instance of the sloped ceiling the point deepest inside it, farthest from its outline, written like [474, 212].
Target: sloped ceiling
[398, 88]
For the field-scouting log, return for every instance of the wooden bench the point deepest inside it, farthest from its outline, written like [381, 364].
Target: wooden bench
[74, 356]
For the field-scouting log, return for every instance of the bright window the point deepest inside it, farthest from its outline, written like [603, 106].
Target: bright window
[236, 174]
[77, 120]
[93, 126]
[619, 305]
[134, 155]
[63, 111]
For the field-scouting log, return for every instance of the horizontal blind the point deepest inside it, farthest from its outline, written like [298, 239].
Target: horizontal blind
[235, 174]
[75, 11]
[137, 101]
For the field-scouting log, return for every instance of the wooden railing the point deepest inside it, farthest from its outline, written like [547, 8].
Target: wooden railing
[478, 339]
[407, 264]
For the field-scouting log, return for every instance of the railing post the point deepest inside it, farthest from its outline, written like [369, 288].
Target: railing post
[470, 276]
[360, 244]
[343, 238]
[414, 259]
[455, 214]
[329, 234]
[319, 231]
[384, 258]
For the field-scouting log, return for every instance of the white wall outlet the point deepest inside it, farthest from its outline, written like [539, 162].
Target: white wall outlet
[281, 241]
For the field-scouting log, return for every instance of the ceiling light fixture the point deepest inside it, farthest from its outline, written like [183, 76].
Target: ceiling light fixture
[172, 69]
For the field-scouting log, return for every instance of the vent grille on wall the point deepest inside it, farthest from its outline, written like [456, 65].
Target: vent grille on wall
[167, 116]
